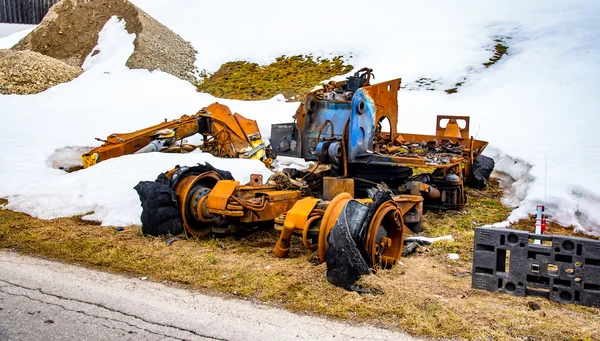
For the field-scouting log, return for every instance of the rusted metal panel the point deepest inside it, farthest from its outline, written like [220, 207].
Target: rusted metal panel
[334, 186]
[385, 95]
[297, 218]
[276, 204]
[235, 136]
[452, 127]
[275, 196]
[298, 215]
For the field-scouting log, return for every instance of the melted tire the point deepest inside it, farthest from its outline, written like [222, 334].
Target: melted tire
[482, 169]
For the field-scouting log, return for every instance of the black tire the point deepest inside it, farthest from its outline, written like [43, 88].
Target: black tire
[160, 215]
[482, 169]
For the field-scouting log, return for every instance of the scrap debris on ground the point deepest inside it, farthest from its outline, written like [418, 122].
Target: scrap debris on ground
[27, 72]
[434, 152]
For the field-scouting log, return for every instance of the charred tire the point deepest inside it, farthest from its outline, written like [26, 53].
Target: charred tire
[482, 169]
[160, 215]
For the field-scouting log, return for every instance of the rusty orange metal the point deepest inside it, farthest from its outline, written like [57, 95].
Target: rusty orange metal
[210, 204]
[219, 196]
[386, 96]
[333, 186]
[451, 131]
[120, 144]
[452, 128]
[232, 136]
[183, 190]
[296, 217]
[386, 251]
[329, 217]
[277, 203]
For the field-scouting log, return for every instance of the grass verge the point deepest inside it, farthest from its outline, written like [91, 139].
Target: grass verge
[292, 76]
[430, 295]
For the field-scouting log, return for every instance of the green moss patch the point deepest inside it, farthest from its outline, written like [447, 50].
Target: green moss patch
[499, 51]
[292, 76]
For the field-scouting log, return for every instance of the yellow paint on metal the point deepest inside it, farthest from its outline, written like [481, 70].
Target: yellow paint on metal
[298, 215]
[89, 159]
[218, 197]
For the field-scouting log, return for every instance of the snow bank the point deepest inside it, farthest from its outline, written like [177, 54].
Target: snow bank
[537, 104]
[42, 132]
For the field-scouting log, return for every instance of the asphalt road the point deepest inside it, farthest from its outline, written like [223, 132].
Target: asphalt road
[45, 300]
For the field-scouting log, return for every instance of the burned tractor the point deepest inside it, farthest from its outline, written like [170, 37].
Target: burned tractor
[341, 125]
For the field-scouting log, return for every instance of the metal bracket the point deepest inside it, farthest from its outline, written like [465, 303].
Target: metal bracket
[256, 179]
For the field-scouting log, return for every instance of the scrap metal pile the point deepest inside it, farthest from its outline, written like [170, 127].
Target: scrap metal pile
[356, 204]
[360, 198]
[343, 131]
[434, 152]
[354, 236]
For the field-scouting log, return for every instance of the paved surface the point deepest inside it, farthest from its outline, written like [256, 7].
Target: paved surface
[44, 300]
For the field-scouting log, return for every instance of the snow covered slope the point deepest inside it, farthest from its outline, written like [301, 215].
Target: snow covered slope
[540, 102]
[10, 34]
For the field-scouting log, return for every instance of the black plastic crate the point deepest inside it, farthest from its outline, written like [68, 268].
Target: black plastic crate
[562, 268]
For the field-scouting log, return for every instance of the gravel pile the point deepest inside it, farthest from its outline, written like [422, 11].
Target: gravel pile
[69, 32]
[27, 72]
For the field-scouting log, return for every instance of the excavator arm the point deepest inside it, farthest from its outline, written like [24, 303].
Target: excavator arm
[225, 135]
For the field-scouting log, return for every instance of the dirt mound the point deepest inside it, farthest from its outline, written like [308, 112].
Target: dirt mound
[69, 32]
[27, 72]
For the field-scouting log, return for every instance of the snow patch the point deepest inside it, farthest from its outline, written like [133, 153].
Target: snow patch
[115, 46]
[283, 162]
[67, 158]
[11, 34]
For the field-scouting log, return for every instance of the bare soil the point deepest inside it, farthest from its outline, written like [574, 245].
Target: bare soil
[70, 30]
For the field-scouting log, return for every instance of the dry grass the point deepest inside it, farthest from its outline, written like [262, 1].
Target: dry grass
[429, 295]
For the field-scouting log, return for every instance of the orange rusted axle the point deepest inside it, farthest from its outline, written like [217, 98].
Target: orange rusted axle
[314, 224]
